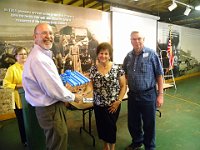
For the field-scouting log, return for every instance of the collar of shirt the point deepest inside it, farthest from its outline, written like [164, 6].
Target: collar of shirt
[45, 51]
[19, 65]
[142, 51]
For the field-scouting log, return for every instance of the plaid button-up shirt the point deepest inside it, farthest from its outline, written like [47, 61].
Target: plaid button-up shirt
[141, 70]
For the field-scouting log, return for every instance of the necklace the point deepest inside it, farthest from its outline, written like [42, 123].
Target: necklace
[105, 66]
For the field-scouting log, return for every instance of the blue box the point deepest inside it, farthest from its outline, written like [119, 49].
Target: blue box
[74, 78]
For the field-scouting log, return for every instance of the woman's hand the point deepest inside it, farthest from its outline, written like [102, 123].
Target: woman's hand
[114, 106]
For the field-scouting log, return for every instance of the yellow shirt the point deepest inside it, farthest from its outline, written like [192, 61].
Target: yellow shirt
[12, 78]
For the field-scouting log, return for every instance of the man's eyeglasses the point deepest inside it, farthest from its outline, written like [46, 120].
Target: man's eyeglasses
[22, 54]
[136, 39]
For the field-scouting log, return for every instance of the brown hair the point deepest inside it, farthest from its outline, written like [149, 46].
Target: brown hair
[104, 46]
[17, 49]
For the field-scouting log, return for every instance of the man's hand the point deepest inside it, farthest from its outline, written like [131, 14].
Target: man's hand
[78, 98]
[160, 100]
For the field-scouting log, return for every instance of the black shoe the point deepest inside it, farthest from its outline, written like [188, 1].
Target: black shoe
[133, 146]
[25, 144]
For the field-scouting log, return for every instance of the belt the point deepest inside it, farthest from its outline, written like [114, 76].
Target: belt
[141, 91]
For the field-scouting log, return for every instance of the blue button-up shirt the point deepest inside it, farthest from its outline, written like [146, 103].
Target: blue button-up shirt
[141, 70]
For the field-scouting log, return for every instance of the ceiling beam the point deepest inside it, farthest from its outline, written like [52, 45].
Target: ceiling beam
[86, 3]
[72, 2]
[96, 5]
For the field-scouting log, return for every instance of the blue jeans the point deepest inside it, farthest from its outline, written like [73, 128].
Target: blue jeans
[141, 117]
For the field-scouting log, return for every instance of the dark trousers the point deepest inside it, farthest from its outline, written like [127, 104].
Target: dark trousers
[141, 118]
[20, 120]
[52, 120]
[106, 123]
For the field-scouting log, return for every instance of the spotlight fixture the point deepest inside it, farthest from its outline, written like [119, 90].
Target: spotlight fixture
[197, 7]
[188, 7]
[187, 11]
[172, 6]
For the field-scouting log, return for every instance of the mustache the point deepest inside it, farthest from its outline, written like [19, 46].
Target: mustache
[48, 39]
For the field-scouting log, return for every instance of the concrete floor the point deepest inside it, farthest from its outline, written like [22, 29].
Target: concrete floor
[177, 129]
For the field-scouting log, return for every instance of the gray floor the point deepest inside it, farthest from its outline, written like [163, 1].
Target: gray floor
[177, 129]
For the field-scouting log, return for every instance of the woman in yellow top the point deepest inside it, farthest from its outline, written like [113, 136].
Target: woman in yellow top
[13, 80]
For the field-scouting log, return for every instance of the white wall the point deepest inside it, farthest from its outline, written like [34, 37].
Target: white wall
[189, 38]
[123, 23]
[191, 41]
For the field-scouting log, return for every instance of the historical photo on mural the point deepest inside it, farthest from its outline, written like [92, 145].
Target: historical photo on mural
[76, 35]
[184, 62]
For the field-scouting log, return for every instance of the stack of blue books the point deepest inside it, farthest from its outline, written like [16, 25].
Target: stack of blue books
[74, 78]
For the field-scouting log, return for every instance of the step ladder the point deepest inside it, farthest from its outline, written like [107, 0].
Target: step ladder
[168, 77]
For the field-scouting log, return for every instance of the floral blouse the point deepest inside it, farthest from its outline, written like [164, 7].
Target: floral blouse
[106, 87]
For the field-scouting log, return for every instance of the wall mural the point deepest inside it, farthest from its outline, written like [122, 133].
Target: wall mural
[77, 32]
[186, 57]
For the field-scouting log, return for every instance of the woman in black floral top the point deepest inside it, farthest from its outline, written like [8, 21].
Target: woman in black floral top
[109, 86]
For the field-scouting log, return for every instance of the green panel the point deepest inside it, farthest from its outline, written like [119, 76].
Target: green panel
[34, 133]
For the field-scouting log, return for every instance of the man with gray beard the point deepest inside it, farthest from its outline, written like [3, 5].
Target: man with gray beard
[45, 91]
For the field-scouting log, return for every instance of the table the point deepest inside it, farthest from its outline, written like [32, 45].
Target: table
[86, 108]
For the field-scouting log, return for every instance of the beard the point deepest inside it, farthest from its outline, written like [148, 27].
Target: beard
[46, 43]
[47, 46]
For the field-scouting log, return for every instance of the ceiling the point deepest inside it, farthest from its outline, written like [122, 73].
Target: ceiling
[154, 7]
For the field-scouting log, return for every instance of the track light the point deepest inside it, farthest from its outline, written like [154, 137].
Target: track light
[197, 7]
[188, 7]
[172, 6]
[187, 11]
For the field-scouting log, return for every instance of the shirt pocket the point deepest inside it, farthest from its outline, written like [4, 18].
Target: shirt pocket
[145, 67]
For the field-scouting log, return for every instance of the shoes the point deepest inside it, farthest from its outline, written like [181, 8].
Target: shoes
[25, 144]
[133, 146]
